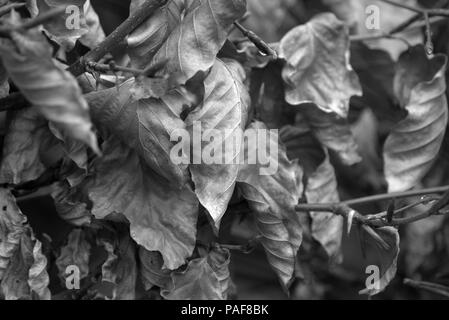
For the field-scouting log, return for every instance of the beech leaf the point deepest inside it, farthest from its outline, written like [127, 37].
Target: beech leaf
[23, 273]
[273, 199]
[144, 125]
[205, 278]
[163, 218]
[333, 132]
[52, 90]
[384, 259]
[12, 226]
[185, 34]
[75, 253]
[22, 147]
[317, 66]
[120, 266]
[414, 143]
[327, 228]
[224, 111]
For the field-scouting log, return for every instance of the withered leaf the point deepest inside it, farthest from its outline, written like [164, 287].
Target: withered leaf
[185, 34]
[317, 66]
[414, 143]
[52, 90]
[222, 119]
[273, 199]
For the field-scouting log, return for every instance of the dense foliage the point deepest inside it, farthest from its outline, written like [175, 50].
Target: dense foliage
[355, 113]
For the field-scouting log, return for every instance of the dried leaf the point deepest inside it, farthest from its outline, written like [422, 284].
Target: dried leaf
[22, 147]
[327, 228]
[67, 29]
[205, 278]
[302, 145]
[384, 259]
[419, 242]
[26, 277]
[120, 266]
[71, 204]
[317, 69]
[4, 83]
[54, 91]
[333, 132]
[38, 278]
[75, 253]
[414, 143]
[185, 34]
[162, 218]
[12, 226]
[273, 199]
[151, 270]
[144, 125]
[223, 114]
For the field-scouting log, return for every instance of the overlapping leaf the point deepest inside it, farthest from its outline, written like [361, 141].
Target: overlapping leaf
[79, 23]
[162, 218]
[187, 35]
[28, 59]
[26, 277]
[415, 142]
[317, 65]
[273, 199]
[144, 125]
[221, 120]
[71, 204]
[205, 278]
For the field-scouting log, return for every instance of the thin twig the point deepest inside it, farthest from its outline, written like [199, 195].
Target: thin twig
[41, 19]
[142, 13]
[430, 12]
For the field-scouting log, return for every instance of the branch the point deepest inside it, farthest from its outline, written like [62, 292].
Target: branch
[430, 12]
[258, 42]
[141, 14]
